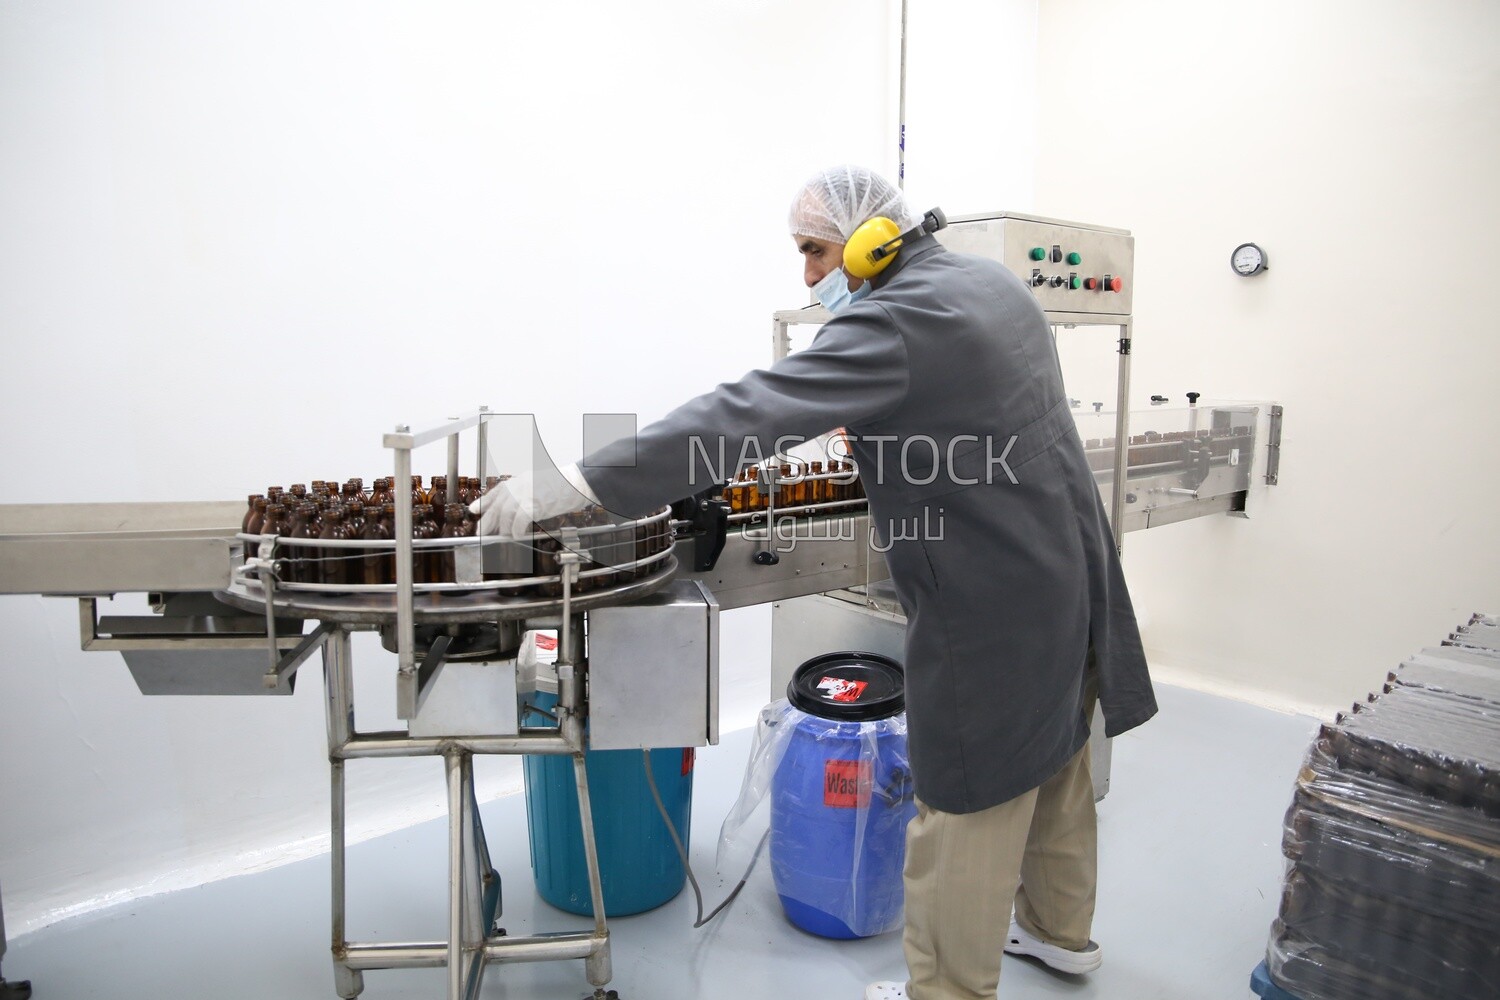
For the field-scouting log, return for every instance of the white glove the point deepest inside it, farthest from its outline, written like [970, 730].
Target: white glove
[510, 507]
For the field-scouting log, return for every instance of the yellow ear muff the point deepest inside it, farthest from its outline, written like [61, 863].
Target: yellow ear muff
[871, 248]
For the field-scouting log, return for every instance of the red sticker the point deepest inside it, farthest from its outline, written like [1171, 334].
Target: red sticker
[544, 641]
[842, 689]
[846, 783]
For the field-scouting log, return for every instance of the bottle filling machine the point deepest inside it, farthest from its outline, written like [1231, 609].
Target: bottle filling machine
[635, 603]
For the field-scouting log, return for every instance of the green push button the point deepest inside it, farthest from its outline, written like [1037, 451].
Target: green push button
[1037, 253]
[1075, 282]
[1075, 258]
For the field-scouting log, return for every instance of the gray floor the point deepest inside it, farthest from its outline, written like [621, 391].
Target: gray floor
[1190, 872]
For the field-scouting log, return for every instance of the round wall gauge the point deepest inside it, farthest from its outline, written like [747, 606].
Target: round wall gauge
[1247, 259]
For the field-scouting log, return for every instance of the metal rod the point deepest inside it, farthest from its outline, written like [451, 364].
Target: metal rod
[590, 849]
[339, 693]
[408, 439]
[451, 494]
[473, 883]
[268, 584]
[399, 744]
[336, 853]
[453, 762]
[289, 663]
[901, 109]
[542, 949]
[433, 955]
[1122, 442]
[481, 463]
[406, 673]
[432, 664]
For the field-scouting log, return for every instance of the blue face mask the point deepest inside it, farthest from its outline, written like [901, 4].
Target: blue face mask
[833, 290]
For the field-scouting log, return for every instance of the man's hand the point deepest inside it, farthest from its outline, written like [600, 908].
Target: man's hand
[510, 507]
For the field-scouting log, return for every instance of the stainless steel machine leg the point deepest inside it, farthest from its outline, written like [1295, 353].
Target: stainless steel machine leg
[347, 982]
[597, 966]
[473, 884]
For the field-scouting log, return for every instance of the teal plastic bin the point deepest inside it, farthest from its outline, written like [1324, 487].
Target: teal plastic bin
[638, 863]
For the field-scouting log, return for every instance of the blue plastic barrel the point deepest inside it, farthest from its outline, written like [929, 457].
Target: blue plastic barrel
[835, 879]
[638, 865]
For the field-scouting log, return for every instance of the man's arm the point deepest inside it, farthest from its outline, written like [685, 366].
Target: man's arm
[855, 371]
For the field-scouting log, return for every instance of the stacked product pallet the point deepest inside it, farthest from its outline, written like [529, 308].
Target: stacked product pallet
[1393, 838]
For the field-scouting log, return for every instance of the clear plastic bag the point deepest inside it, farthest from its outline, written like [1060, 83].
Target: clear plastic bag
[835, 797]
[1392, 840]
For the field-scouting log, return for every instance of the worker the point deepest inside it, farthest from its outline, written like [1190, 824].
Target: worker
[942, 370]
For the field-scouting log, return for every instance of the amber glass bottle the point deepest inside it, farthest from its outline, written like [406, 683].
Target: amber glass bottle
[422, 528]
[388, 522]
[354, 528]
[249, 512]
[453, 527]
[298, 567]
[333, 562]
[255, 524]
[273, 523]
[418, 495]
[354, 519]
[817, 489]
[734, 493]
[438, 495]
[375, 562]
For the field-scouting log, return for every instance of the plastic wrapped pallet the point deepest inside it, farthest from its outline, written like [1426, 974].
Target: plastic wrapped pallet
[1393, 843]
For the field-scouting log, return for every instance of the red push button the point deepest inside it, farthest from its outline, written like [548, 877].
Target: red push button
[1091, 283]
[1113, 284]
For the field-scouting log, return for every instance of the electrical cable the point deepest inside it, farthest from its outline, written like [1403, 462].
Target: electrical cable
[682, 852]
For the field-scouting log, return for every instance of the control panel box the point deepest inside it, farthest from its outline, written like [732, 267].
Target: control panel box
[1071, 268]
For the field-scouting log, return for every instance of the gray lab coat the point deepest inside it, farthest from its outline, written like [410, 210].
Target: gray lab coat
[1003, 608]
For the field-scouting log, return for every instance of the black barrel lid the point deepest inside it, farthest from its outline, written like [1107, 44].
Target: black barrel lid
[848, 687]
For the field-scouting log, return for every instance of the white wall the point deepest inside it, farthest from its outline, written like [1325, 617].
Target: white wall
[1358, 143]
[240, 240]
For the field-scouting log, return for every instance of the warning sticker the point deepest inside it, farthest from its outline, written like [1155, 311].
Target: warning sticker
[842, 689]
[846, 784]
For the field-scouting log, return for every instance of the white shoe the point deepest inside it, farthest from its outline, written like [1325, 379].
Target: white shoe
[886, 990]
[1062, 959]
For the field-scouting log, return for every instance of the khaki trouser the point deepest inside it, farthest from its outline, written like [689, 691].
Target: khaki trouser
[961, 874]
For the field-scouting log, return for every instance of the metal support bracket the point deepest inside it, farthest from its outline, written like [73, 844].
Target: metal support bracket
[288, 664]
[1273, 448]
[427, 671]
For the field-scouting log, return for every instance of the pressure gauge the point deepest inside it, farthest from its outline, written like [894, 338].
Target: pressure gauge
[1247, 259]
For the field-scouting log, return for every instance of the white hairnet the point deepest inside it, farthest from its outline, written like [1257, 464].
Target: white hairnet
[837, 201]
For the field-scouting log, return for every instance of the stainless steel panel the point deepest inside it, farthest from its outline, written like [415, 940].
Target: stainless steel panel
[73, 549]
[1008, 237]
[653, 675]
[469, 699]
[824, 554]
[203, 672]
